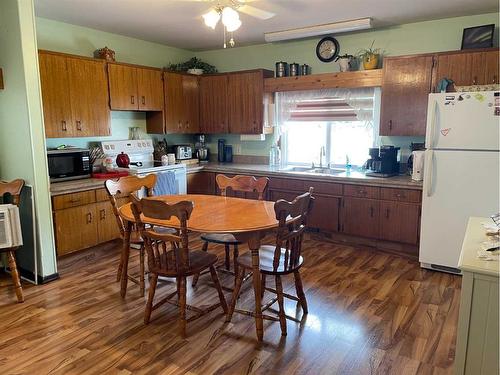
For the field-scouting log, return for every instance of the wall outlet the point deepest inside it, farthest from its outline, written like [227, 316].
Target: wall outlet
[237, 149]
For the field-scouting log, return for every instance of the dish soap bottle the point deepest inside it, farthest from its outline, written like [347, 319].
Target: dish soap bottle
[347, 164]
[274, 156]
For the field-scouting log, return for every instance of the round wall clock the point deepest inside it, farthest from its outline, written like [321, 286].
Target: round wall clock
[327, 49]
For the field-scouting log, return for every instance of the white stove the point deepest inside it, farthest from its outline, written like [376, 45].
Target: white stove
[140, 153]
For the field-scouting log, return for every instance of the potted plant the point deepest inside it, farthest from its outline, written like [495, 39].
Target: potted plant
[344, 62]
[193, 66]
[370, 57]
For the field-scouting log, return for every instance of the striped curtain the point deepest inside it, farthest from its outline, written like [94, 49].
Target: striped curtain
[330, 105]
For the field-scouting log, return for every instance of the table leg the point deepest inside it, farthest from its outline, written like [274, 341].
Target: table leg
[254, 245]
[125, 257]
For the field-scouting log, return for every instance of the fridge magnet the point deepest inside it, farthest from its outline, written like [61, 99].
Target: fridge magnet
[497, 111]
[445, 132]
[479, 97]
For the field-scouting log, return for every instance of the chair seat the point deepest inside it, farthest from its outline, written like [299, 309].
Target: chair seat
[220, 238]
[266, 256]
[198, 261]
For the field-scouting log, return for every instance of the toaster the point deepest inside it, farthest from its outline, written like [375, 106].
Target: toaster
[183, 152]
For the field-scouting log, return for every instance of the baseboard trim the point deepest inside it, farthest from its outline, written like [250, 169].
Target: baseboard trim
[40, 279]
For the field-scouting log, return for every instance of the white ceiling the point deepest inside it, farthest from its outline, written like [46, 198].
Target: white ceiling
[178, 22]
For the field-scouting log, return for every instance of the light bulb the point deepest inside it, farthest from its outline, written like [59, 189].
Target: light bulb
[211, 18]
[233, 26]
[230, 16]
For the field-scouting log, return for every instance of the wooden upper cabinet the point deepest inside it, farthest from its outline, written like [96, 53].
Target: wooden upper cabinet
[89, 97]
[150, 89]
[123, 87]
[490, 61]
[405, 88]
[213, 104]
[181, 103]
[173, 102]
[467, 68]
[191, 104]
[245, 102]
[55, 96]
[74, 96]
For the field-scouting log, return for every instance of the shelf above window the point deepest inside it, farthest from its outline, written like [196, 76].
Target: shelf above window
[361, 78]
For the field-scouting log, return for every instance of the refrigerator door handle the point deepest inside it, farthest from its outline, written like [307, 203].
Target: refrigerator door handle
[432, 127]
[428, 172]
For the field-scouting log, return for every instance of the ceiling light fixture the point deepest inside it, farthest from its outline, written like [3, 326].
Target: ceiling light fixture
[330, 28]
[230, 20]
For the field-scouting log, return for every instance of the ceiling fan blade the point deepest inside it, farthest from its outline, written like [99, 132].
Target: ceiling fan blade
[255, 12]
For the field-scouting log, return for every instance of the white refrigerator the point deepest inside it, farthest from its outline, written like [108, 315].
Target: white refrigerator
[461, 172]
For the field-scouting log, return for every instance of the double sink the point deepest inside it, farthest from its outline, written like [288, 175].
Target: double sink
[314, 170]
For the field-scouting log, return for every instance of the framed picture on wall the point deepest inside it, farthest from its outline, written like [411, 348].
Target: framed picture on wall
[478, 37]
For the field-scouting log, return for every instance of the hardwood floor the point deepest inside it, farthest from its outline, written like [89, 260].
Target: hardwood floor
[369, 313]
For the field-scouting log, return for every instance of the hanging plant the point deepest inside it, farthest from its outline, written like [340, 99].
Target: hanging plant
[193, 64]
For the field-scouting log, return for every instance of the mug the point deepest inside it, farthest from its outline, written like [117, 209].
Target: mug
[171, 159]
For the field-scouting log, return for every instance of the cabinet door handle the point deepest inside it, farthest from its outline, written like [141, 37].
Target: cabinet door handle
[495, 79]
[102, 214]
[78, 125]
[143, 100]
[474, 81]
[132, 99]
[89, 218]
[63, 126]
[74, 200]
[179, 125]
[390, 125]
[387, 213]
[372, 211]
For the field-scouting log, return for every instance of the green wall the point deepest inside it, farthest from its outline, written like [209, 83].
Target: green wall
[420, 37]
[22, 142]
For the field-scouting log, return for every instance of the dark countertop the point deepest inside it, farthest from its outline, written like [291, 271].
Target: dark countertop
[356, 178]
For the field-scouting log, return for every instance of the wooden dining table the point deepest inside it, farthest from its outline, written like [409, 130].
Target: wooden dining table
[248, 220]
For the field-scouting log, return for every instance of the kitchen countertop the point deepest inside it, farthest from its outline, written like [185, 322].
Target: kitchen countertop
[469, 262]
[401, 181]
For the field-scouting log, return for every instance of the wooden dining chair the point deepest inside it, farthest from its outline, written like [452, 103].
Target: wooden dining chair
[10, 192]
[119, 192]
[178, 262]
[281, 259]
[240, 185]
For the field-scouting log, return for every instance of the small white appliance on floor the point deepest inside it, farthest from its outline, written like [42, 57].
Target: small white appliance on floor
[140, 153]
[10, 226]
[461, 176]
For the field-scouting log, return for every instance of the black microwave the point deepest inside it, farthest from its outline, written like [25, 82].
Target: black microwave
[68, 164]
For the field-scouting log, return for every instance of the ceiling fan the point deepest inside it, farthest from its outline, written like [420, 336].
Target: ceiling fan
[227, 12]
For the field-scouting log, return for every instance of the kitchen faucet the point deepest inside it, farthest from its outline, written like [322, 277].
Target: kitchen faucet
[321, 154]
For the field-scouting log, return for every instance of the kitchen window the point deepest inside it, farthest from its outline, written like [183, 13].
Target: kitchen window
[342, 121]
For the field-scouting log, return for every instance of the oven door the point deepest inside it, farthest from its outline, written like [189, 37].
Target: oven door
[68, 165]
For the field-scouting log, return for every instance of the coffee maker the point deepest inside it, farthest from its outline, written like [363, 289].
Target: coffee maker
[383, 162]
[202, 152]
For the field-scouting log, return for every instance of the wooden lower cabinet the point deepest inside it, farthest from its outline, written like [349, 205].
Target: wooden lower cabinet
[360, 217]
[399, 222]
[83, 219]
[107, 227]
[201, 183]
[75, 228]
[325, 214]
